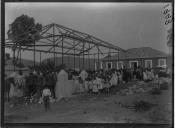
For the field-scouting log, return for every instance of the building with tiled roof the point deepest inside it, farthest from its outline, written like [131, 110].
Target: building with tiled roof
[143, 56]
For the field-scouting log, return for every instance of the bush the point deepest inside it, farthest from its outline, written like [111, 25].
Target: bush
[155, 91]
[163, 74]
[164, 86]
[142, 106]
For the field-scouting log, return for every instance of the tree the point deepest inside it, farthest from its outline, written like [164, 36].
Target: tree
[24, 30]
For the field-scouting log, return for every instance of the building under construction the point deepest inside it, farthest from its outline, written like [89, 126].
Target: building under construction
[79, 49]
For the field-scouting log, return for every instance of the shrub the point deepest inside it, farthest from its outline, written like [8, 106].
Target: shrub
[142, 106]
[155, 91]
[164, 86]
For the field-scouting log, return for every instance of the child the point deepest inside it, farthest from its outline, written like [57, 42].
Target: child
[95, 88]
[46, 95]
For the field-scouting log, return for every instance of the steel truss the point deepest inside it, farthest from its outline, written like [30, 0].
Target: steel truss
[58, 39]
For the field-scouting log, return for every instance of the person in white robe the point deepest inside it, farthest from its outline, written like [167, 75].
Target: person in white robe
[20, 83]
[149, 75]
[95, 87]
[114, 79]
[90, 85]
[99, 83]
[63, 89]
[75, 84]
[83, 76]
[81, 86]
[15, 90]
[152, 74]
[145, 77]
[120, 77]
[86, 85]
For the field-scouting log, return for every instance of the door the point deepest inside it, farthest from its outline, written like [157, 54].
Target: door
[134, 64]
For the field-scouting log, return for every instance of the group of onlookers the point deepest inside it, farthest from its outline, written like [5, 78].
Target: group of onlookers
[89, 81]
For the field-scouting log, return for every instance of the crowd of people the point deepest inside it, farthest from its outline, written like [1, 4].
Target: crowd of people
[83, 81]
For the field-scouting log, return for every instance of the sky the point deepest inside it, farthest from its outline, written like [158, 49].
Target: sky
[127, 25]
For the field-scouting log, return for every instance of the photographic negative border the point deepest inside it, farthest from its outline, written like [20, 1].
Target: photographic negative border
[78, 125]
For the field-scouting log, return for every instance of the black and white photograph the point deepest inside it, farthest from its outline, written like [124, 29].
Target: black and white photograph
[88, 62]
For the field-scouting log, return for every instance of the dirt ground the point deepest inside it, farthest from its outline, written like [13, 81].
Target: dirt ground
[90, 108]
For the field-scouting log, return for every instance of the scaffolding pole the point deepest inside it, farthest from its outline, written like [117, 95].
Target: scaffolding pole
[14, 60]
[54, 44]
[79, 62]
[62, 51]
[98, 58]
[20, 55]
[94, 61]
[40, 58]
[89, 58]
[118, 59]
[74, 53]
[34, 56]
[83, 54]
[68, 61]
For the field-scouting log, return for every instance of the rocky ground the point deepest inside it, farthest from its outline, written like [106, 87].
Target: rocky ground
[126, 103]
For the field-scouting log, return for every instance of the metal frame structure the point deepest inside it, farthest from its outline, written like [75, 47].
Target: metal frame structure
[55, 38]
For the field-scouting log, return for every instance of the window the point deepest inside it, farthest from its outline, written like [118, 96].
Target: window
[108, 65]
[120, 65]
[148, 63]
[133, 64]
[162, 62]
[98, 65]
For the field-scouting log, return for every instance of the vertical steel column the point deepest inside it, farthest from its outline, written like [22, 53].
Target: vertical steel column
[74, 53]
[98, 59]
[40, 58]
[68, 65]
[88, 58]
[54, 44]
[62, 50]
[83, 54]
[94, 61]
[108, 59]
[118, 59]
[110, 56]
[20, 54]
[34, 55]
[14, 60]
[79, 62]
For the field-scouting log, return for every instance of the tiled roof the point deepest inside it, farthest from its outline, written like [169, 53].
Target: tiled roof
[142, 52]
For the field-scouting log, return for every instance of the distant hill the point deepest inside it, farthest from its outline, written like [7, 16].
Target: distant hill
[69, 62]
[26, 62]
